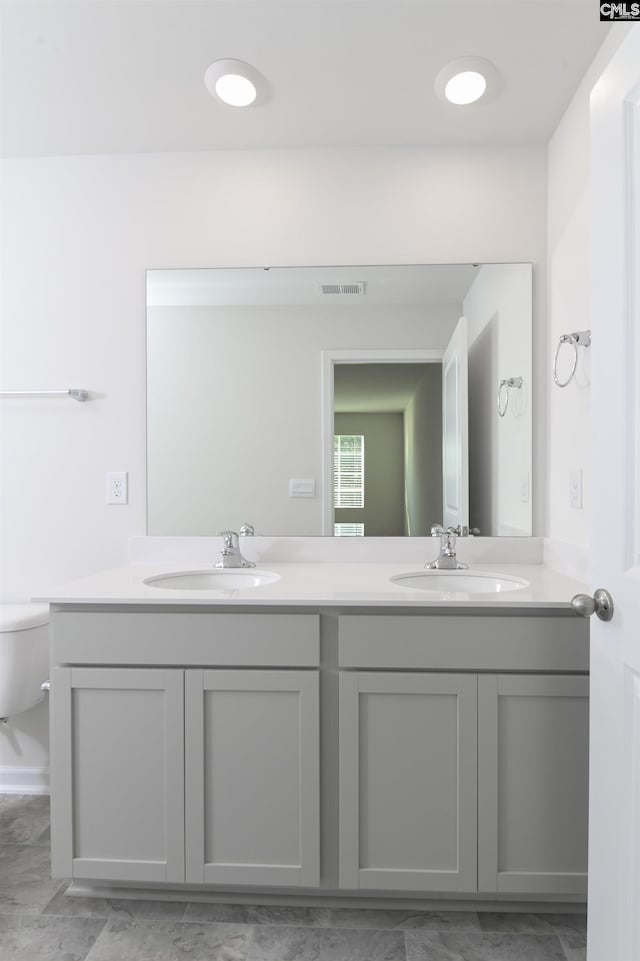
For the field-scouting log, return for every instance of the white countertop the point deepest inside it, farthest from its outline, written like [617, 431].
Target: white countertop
[319, 585]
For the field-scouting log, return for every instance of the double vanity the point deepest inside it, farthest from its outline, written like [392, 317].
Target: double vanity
[337, 720]
[347, 730]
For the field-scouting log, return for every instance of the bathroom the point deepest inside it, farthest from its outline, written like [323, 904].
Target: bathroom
[96, 192]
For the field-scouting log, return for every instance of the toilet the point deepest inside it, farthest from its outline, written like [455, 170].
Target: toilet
[24, 656]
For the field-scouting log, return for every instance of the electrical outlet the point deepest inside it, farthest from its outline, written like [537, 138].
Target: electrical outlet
[117, 487]
[575, 488]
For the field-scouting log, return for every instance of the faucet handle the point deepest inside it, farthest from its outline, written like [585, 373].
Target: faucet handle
[449, 538]
[229, 538]
[437, 530]
[247, 530]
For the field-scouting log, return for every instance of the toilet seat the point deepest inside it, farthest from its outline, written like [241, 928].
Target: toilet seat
[21, 617]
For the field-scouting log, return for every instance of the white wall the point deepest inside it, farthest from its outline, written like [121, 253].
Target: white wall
[77, 235]
[499, 303]
[423, 454]
[568, 239]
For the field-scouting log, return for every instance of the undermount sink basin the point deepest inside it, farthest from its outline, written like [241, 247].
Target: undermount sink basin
[214, 580]
[459, 582]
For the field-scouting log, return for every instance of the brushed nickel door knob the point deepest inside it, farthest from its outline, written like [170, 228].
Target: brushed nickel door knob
[601, 604]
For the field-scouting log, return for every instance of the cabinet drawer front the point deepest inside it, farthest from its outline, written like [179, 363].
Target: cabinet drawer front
[470, 643]
[185, 640]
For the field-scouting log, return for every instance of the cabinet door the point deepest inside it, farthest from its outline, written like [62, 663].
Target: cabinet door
[117, 805]
[408, 781]
[533, 784]
[252, 777]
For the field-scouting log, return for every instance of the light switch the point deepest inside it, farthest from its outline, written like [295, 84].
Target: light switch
[524, 487]
[575, 488]
[302, 487]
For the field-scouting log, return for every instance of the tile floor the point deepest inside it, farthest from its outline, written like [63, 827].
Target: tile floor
[39, 923]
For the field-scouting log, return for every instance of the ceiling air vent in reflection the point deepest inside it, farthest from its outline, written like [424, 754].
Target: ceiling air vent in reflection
[358, 288]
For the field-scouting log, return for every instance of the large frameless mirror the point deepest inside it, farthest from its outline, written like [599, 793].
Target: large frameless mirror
[346, 401]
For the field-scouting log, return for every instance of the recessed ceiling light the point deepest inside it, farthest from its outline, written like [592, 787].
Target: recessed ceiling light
[466, 80]
[465, 87]
[235, 90]
[235, 83]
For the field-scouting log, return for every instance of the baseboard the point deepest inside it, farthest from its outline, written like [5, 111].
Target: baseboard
[560, 904]
[24, 780]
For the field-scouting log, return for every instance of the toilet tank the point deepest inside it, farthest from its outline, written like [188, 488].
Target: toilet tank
[24, 656]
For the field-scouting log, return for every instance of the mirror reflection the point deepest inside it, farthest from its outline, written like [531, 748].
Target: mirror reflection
[387, 448]
[346, 401]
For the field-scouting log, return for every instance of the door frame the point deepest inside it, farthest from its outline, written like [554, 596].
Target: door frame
[456, 358]
[354, 356]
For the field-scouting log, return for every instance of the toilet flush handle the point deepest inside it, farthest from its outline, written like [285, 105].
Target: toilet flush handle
[45, 687]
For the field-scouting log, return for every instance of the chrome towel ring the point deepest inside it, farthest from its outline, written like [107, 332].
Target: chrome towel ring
[504, 393]
[579, 338]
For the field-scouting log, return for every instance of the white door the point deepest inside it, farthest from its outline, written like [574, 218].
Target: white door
[455, 429]
[614, 833]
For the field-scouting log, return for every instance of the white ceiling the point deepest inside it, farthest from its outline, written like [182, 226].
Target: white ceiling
[123, 76]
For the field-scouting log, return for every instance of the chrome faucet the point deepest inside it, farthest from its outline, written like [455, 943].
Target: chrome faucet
[231, 555]
[446, 559]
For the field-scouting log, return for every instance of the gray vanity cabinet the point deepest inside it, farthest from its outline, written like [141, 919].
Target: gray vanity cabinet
[252, 777]
[408, 781]
[486, 760]
[118, 774]
[462, 748]
[532, 783]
